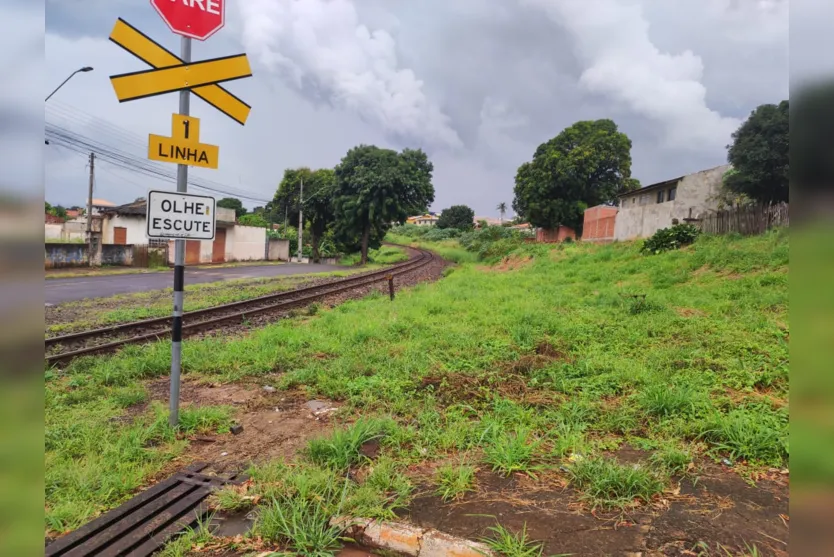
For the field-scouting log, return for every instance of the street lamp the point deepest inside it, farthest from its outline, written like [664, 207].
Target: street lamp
[84, 69]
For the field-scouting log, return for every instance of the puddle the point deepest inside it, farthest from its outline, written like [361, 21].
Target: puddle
[229, 525]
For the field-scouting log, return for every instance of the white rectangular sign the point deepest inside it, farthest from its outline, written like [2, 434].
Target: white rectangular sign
[180, 216]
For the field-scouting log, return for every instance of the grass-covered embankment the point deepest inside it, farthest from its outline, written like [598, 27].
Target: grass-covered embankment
[559, 351]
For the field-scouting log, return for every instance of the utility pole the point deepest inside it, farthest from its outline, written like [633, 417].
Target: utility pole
[300, 218]
[90, 207]
[179, 264]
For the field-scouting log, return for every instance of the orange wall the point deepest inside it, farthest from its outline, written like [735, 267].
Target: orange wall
[599, 224]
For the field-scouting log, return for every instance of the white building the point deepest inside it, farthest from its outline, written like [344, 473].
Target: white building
[126, 224]
[647, 210]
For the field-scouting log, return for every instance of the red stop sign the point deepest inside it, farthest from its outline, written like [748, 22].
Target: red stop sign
[198, 19]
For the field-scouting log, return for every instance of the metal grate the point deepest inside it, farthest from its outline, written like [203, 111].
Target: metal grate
[142, 525]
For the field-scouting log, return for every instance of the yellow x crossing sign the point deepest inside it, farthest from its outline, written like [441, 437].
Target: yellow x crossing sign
[170, 74]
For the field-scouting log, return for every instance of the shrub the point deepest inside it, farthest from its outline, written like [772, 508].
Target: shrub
[671, 238]
[609, 484]
[491, 242]
[441, 234]
[411, 230]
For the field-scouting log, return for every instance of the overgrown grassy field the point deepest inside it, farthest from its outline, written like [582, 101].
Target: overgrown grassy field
[385, 255]
[98, 312]
[540, 364]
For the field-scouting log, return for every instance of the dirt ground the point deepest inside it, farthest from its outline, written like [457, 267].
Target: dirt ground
[275, 424]
[719, 509]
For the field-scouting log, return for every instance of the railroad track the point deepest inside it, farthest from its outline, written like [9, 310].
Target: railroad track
[107, 339]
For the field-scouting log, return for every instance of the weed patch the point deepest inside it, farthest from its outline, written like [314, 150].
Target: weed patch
[454, 481]
[343, 448]
[609, 484]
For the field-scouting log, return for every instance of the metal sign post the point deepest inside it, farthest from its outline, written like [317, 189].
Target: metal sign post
[189, 216]
[179, 264]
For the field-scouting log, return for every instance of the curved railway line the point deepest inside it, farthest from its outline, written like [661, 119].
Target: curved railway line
[107, 339]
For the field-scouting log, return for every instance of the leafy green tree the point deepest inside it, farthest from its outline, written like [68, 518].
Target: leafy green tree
[319, 189]
[587, 164]
[253, 219]
[233, 203]
[55, 210]
[285, 204]
[376, 187]
[319, 210]
[759, 155]
[502, 210]
[457, 216]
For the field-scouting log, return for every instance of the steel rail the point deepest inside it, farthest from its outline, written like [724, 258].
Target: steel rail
[285, 300]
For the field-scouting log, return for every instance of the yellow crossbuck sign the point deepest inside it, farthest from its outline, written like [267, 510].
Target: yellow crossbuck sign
[170, 74]
[184, 146]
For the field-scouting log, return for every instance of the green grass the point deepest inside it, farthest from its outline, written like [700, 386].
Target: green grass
[512, 452]
[450, 249]
[609, 484]
[93, 463]
[454, 481]
[302, 524]
[527, 367]
[385, 255]
[510, 544]
[341, 449]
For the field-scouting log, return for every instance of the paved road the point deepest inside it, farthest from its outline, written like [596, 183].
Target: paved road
[70, 289]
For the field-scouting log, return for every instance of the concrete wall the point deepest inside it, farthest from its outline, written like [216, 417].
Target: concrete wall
[66, 231]
[695, 195]
[135, 226]
[244, 243]
[112, 254]
[66, 255]
[278, 250]
[598, 224]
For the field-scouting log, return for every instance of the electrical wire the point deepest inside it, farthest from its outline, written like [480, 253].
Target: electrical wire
[117, 147]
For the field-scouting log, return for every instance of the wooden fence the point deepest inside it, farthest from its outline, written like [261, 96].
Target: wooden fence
[750, 220]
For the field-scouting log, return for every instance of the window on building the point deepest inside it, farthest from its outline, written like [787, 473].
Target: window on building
[672, 193]
[660, 196]
[633, 200]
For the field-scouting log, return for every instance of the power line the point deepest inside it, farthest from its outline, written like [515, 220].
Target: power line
[82, 144]
[118, 147]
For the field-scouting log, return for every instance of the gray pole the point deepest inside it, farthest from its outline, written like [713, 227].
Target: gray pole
[300, 218]
[179, 264]
[90, 207]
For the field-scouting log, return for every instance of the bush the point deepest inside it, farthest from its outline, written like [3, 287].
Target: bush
[492, 242]
[411, 230]
[441, 234]
[671, 238]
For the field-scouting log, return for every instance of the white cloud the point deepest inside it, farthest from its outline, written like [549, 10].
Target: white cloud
[621, 62]
[320, 48]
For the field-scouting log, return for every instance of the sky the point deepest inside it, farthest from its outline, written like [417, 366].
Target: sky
[476, 84]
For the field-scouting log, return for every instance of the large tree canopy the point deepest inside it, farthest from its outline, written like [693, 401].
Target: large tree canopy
[233, 203]
[319, 188]
[318, 205]
[457, 216]
[587, 164]
[285, 203]
[759, 155]
[376, 187]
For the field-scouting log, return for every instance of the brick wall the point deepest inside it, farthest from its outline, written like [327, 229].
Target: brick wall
[552, 235]
[599, 224]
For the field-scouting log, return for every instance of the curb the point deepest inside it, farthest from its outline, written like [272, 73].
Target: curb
[409, 539]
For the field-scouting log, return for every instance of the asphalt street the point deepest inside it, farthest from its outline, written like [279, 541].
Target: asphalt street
[57, 291]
